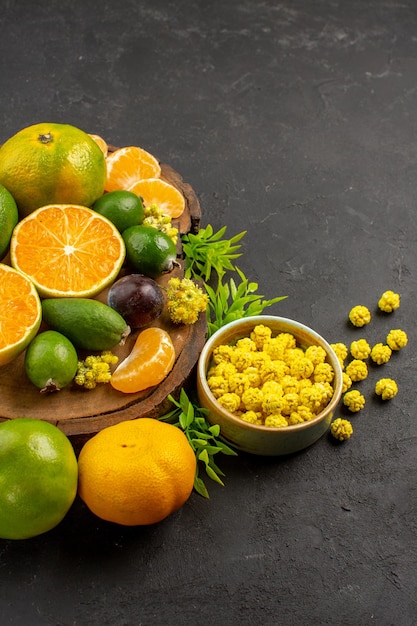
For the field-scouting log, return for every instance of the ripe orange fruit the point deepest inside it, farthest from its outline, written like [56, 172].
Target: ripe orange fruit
[20, 313]
[67, 250]
[102, 144]
[150, 361]
[136, 472]
[38, 477]
[163, 194]
[52, 163]
[125, 166]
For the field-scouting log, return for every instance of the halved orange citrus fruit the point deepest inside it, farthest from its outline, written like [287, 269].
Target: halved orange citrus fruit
[150, 361]
[20, 313]
[125, 166]
[163, 194]
[102, 143]
[67, 250]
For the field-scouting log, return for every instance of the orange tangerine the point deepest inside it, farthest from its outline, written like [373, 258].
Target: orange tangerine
[52, 163]
[102, 144]
[150, 361]
[163, 194]
[20, 313]
[126, 166]
[136, 472]
[67, 250]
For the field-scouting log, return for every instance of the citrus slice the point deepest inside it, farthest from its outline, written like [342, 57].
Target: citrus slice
[67, 250]
[150, 361]
[102, 144]
[125, 166]
[163, 194]
[20, 313]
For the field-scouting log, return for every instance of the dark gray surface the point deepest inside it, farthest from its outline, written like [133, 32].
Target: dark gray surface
[295, 121]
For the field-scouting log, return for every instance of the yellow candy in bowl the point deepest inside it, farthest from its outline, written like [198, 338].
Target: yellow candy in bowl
[271, 383]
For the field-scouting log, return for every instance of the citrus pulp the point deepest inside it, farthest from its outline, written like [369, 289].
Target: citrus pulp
[51, 163]
[157, 191]
[136, 472]
[102, 143]
[150, 361]
[67, 250]
[38, 477]
[20, 313]
[126, 166]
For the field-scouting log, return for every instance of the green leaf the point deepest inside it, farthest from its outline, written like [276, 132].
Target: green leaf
[204, 457]
[200, 487]
[212, 474]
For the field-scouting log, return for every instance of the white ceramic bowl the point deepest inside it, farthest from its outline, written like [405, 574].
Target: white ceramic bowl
[263, 440]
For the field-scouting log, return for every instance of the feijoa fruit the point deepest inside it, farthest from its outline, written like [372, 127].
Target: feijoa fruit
[50, 361]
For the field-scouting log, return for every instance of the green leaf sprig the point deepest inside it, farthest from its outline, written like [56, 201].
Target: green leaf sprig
[206, 251]
[230, 301]
[202, 437]
[208, 257]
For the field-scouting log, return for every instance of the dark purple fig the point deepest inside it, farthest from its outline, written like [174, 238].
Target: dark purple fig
[137, 298]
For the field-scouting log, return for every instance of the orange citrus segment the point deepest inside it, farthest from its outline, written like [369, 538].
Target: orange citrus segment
[159, 192]
[125, 166]
[102, 144]
[151, 359]
[20, 313]
[67, 250]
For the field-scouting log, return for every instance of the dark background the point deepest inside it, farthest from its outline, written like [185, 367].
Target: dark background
[296, 121]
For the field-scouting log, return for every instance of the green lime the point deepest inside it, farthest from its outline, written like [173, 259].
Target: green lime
[149, 251]
[123, 208]
[8, 219]
[38, 477]
[51, 361]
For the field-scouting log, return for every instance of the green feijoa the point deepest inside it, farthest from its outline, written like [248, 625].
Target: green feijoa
[123, 208]
[50, 361]
[88, 324]
[149, 251]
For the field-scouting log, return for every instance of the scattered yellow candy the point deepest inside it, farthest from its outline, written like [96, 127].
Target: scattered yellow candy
[387, 388]
[354, 400]
[357, 370]
[360, 315]
[397, 339]
[341, 429]
[381, 353]
[360, 349]
[389, 301]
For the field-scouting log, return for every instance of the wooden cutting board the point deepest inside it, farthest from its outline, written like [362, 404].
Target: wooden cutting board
[80, 413]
